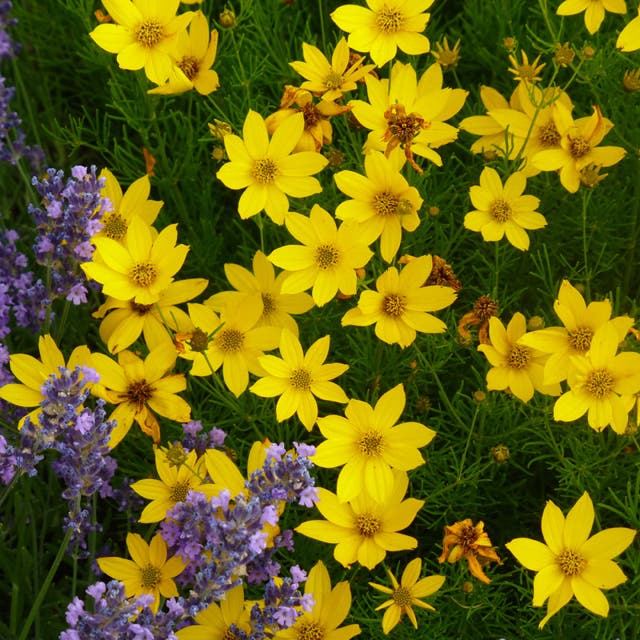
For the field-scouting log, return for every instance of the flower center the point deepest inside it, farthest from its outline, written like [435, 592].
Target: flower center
[310, 631]
[229, 635]
[484, 307]
[189, 66]
[144, 274]
[599, 383]
[580, 339]
[386, 204]
[402, 126]
[151, 576]
[367, 524]
[199, 340]
[149, 33]
[327, 256]
[519, 357]
[578, 147]
[500, 210]
[402, 597]
[264, 170]
[300, 379]
[268, 304]
[139, 393]
[140, 309]
[333, 80]
[394, 305]
[468, 537]
[230, 340]
[311, 116]
[370, 443]
[389, 20]
[571, 563]
[548, 135]
[115, 226]
[179, 492]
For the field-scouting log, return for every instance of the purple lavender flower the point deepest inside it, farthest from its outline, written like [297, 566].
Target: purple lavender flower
[195, 439]
[8, 48]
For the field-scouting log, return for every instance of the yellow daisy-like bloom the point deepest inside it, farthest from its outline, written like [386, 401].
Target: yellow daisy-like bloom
[406, 594]
[594, 10]
[194, 54]
[33, 373]
[399, 306]
[503, 210]
[629, 38]
[525, 71]
[139, 388]
[409, 113]
[580, 321]
[330, 79]
[298, 378]
[142, 267]
[267, 169]
[148, 571]
[369, 444]
[601, 383]
[327, 259]
[579, 146]
[266, 288]
[173, 486]
[515, 366]
[385, 27]
[383, 203]
[214, 622]
[143, 35]
[363, 530]
[331, 607]
[569, 562]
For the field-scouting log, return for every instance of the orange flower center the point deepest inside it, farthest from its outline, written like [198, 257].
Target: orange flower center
[500, 210]
[115, 226]
[229, 340]
[518, 357]
[484, 307]
[401, 126]
[264, 171]
[327, 256]
[578, 147]
[402, 597]
[311, 116]
[599, 383]
[333, 80]
[144, 274]
[268, 304]
[139, 393]
[150, 576]
[571, 563]
[386, 204]
[371, 443]
[149, 33]
[468, 537]
[367, 524]
[189, 66]
[300, 379]
[179, 492]
[548, 135]
[310, 631]
[389, 20]
[394, 305]
[580, 339]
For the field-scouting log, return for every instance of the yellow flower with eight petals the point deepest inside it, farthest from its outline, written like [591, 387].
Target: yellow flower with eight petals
[594, 10]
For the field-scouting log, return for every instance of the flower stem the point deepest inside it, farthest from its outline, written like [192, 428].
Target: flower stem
[586, 196]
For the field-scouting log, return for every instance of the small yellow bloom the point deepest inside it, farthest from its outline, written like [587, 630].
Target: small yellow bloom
[594, 10]
[629, 38]
[525, 71]
[445, 55]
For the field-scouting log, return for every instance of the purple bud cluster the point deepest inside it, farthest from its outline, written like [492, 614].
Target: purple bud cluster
[70, 214]
[195, 439]
[8, 48]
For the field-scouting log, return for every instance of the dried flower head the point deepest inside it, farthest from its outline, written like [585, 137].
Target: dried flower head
[564, 54]
[631, 80]
[483, 309]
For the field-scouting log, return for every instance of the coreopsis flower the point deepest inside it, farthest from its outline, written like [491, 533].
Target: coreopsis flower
[525, 71]
[483, 309]
[327, 258]
[263, 285]
[515, 366]
[446, 56]
[32, 374]
[330, 79]
[602, 384]
[331, 607]
[594, 10]
[368, 444]
[363, 530]
[407, 113]
[400, 304]
[140, 388]
[173, 486]
[466, 540]
[406, 594]
[569, 562]
[629, 38]
[298, 378]
[215, 622]
[384, 28]
[194, 54]
[140, 268]
[578, 146]
[267, 169]
[383, 203]
[503, 209]
[125, 320]
[143, 34]
[148, 571]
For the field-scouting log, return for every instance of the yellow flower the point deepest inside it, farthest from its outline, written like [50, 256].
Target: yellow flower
[33, 373]
[194, 54]
[140, 269]
[466, 540]
[298, 377]
[383, 202]
[629, 38]
[579, 146]
[515, 366]
[384, 28]
[503, 210]
[369, 444]
[525, 71]
[267, 170]
[406, 595]
[445, 55]
[148, 571]
[327, 259]
[593, 10]
[601, 383]
[139, 388]
[363, 530]
[266, 288]
[173, 486]
[331, 607]
[143, 35]
[400, 304]
[214, 622]
[570, 562]
[330, 79]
